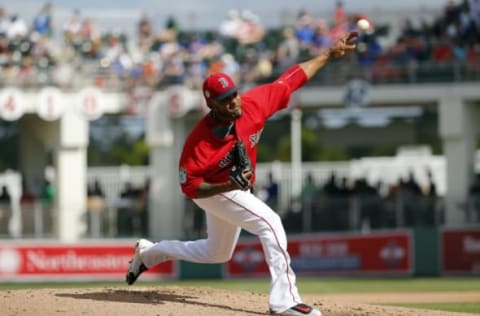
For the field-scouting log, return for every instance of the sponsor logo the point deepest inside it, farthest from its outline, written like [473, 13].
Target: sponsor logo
[392, 254]
[471, 245]
[10, 261]
[71, 261]
[248, 258]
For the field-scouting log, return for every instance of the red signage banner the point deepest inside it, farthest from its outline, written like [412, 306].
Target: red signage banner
[50, 262]
[461, 251]
[385, 253]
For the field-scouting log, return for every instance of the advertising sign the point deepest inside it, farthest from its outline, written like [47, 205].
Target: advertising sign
[461, 251]
[341, 254]
[53, 262]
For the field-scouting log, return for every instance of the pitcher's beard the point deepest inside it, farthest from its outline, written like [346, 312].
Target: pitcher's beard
[226, 117]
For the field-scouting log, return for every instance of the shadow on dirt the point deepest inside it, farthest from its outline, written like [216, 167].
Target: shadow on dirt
[148, 297]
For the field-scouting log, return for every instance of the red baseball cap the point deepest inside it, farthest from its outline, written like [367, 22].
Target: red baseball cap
[218, 86]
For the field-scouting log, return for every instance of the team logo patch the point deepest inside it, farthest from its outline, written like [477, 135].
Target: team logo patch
[223, 82]
[182, 175]
[255, 138]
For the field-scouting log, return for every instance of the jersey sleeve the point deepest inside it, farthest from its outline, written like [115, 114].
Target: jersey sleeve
[190, 175]
[273, 97]
[294, 78]
[189, 182]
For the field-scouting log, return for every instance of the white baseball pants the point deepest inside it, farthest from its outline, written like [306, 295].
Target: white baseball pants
[226, 215]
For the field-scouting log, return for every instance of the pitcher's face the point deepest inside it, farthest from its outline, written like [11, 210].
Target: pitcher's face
[227, 109]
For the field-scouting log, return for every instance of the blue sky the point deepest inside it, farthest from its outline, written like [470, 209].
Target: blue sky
[123, 14]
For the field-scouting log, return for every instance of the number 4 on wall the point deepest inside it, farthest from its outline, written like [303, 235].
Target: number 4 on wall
[12, 105]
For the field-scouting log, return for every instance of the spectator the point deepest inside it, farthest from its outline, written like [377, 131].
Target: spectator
[340, 16]
[229, 27]
[412, 185]
[171, 53]
[288, 50]
[250, 31]
[145, 33]
[231, 66]
[96, 208]
[308, 203]
[309, 192]
[271, 190]
[48, 192]
[17, 28]
[125, 210]
[172, 25]
[474, 8]
[42, 23]
[71, 29]
[331, 187]
[431, 217]
[304, 29]
[143, 202]
[321, 40]
[262, 69]
[90, 37]
[96, 189]
[4, 21]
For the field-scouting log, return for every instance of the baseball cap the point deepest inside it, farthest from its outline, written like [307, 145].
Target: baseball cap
[218, 86]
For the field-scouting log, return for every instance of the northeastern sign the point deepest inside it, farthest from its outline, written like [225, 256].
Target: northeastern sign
[72, 262]
[461, 251]
[385, 253]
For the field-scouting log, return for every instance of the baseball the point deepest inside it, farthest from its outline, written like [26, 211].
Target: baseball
[363, 25]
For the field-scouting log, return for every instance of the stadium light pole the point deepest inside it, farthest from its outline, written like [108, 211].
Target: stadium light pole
[296, 151]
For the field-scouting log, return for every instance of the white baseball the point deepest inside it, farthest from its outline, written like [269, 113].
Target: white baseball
[363, 25]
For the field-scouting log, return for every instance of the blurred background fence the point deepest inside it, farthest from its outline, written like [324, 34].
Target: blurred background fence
[332, 199]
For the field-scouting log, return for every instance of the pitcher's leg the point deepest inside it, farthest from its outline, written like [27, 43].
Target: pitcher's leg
[218, 247]
[256, 217]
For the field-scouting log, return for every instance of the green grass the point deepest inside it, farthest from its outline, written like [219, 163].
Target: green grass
[472, 308]
[348, 285]
[306, 285]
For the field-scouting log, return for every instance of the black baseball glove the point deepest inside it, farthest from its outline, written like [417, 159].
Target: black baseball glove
[242, 166]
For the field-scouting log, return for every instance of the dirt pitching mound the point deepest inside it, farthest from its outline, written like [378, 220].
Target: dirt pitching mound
[172, 301]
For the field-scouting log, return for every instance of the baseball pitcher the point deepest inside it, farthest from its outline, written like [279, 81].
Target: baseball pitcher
[217, 171]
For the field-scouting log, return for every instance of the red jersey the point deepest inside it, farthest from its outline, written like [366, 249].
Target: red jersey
[206, 155]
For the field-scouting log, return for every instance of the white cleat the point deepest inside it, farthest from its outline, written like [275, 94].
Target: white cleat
[299, 310]
[136, 266]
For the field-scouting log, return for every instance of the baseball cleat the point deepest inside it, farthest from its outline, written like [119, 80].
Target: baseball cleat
[136, 266]
[299, 310]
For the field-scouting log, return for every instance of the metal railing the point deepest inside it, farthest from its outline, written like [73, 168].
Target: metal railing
[35, 219]
[319, 213]
[336, 73]
[363, 212]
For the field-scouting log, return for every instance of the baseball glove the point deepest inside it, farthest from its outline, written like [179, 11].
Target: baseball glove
[242, 167]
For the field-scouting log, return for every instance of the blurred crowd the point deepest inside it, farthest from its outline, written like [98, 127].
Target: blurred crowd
[240, 46]
[341, 203]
